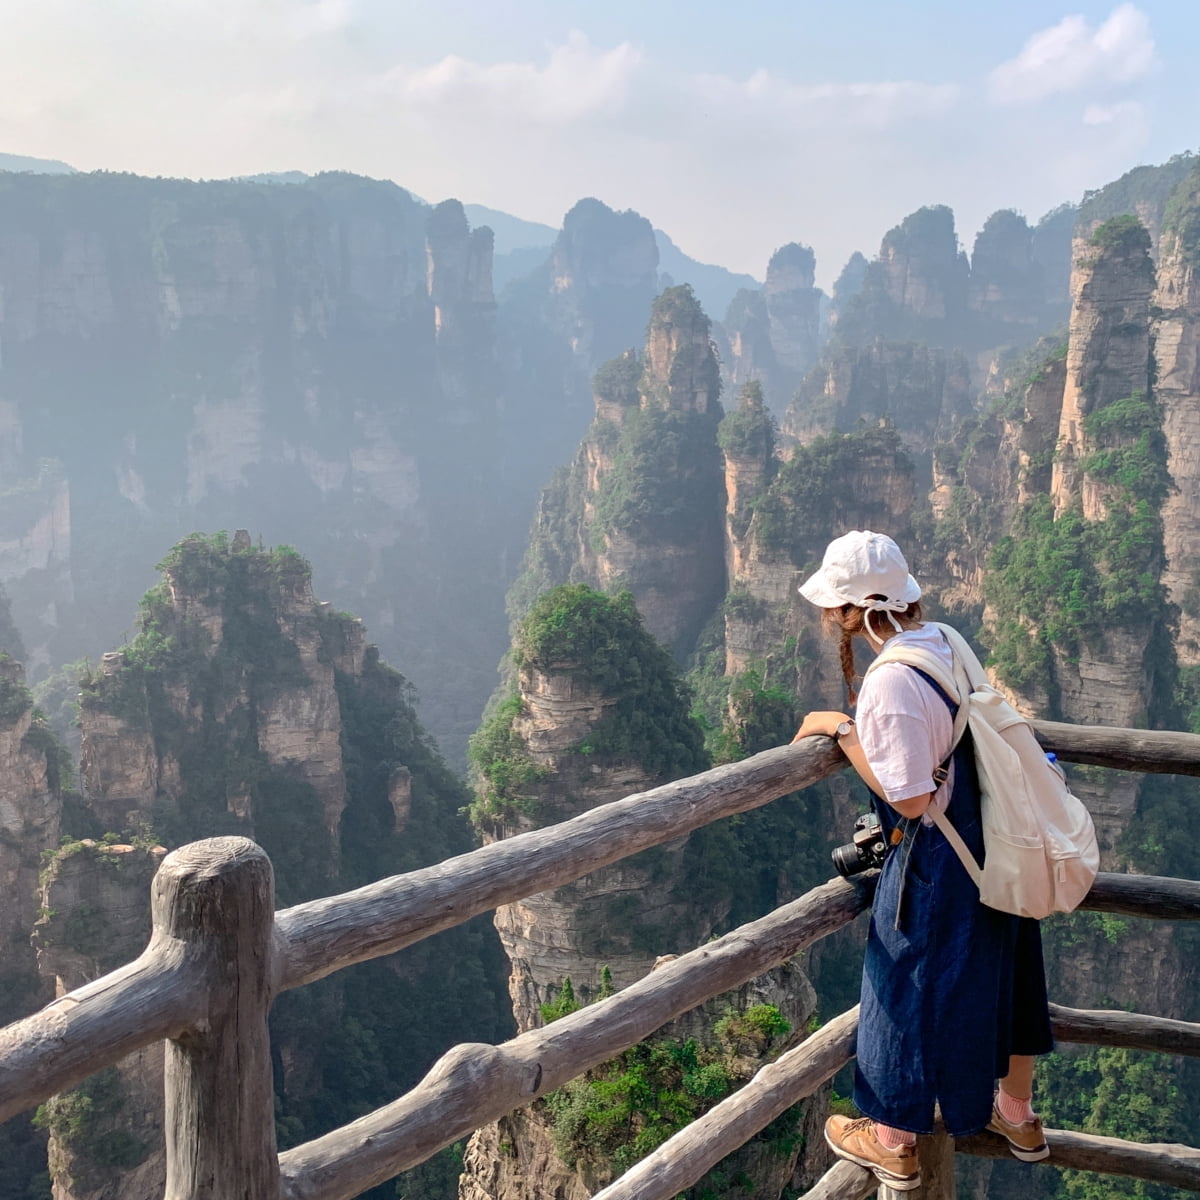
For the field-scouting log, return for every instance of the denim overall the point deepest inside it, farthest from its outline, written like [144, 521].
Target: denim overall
[950, 987]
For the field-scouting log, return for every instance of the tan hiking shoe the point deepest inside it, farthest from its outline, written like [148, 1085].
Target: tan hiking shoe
[1026, 1141]
[855, 1141]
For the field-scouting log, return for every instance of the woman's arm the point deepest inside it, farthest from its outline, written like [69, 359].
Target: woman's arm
[827, 723]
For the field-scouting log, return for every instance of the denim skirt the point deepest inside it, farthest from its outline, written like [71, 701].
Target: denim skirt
[950, 987]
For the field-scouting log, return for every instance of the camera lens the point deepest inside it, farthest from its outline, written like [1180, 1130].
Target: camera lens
[847, 860]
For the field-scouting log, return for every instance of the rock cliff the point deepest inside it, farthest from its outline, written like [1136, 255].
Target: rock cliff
[598, 714]
[95, 917]
[641, 506]
[245, 705]
[304, 359]
[1176, 337]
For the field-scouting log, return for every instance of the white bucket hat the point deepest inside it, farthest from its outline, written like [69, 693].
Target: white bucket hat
[858, 565]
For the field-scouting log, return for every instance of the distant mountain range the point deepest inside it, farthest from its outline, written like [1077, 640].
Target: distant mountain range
[521, 246]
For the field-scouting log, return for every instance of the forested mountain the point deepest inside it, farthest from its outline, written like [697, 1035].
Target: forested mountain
[324, 362]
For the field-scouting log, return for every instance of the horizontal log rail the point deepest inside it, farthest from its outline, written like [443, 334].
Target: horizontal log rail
[1154, 751]
[1135, 1031]
[1156, 897]
[473, 1085]
[696, 1148]
[686, 1156]
[1167, 1163]
[322, 936]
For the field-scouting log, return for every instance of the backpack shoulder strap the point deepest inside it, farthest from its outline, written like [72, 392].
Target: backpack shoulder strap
[959, 684]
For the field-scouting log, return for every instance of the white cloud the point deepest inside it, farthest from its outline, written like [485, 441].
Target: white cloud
[1073, 56]
[576, 82]
[1126, 112]
[874, 104]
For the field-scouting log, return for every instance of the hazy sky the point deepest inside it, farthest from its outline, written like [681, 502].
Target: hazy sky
[735, 127]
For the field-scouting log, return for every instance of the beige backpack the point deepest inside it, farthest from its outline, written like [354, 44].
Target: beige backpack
[1040, 850]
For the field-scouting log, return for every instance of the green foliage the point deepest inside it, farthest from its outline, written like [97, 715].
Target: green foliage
[617, 1114]
[797, 514]
[564, 1003]
[15, 698]
[749, 430]
[1149, 186]
[505, 769]
[1181, 217]
[752, 1031]
[1131, 450]
[664, 482]
[601, 641]
[87, 1122]
[1066, 580]
[1122, 235]
[1114, 1092]
[617, 380]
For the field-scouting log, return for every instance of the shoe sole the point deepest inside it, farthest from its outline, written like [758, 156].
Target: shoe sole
[1018, 1151]
[901, 1183]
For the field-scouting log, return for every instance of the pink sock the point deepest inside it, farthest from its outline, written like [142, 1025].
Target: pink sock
[1014, 1111]
[893, 1139]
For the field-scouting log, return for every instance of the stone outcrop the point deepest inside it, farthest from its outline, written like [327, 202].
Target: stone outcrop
[300, 359]
[1108, 349]
[612, 927]
[603, 269]
[213, 599]
[793, 306]
[641, 506]
[923, 391]
[920, 268]
[1176, 336]
[96, 916]
[1006, 281]
[30, 823]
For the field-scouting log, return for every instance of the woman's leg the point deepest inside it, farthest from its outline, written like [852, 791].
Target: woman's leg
[1016, 1089]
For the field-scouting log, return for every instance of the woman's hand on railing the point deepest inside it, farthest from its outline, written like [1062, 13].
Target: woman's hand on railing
[820, 723]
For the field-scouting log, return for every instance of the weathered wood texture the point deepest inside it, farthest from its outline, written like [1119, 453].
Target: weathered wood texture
[475, 1084]
[1157, 1162]
[93, 1026]
[684, 1158]
[936, 1154]
[1156, 751]
[215, 900]
[843, 1181]
[1108, 1027]
[325, 935]
[1154, 896]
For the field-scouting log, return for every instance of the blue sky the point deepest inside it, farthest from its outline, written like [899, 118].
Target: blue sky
[735, 128]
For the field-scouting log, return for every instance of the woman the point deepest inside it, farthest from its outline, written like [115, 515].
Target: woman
[954, 992]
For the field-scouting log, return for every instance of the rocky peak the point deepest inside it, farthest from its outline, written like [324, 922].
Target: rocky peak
[458, 261]
[681, 367]
[1176, 338]
[1108, 356]
[599, 713]
[603, 267]
[920, 266]
[1005, 282]
[849, 283]
[793, 306]
[235, 655]
[747, 328]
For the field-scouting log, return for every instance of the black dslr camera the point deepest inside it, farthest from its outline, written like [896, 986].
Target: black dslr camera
[867, 850]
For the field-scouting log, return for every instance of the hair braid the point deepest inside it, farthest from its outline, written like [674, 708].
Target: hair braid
[846, 653]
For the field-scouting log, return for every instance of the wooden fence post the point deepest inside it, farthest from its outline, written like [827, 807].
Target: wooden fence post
[213, 903]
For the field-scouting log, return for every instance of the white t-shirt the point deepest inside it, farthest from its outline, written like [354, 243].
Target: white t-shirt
[904, 726]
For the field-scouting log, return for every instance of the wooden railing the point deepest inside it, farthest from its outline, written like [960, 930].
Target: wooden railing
[219, 954]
